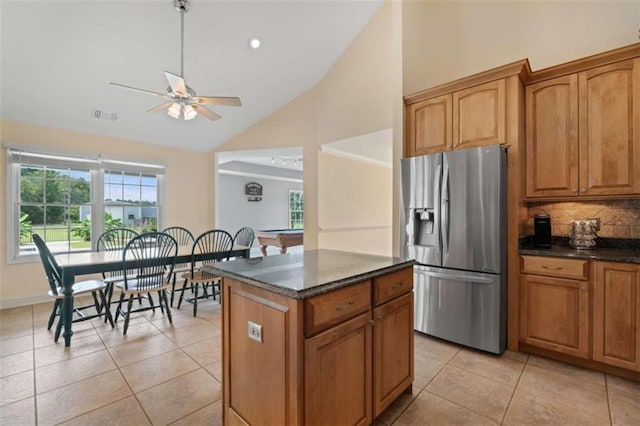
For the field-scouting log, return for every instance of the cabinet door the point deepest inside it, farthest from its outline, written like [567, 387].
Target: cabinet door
[392, 351]
[429, 126]
[479, 115]
[610, 129]
[337, 380]
[552, 138]
[616, 315]
[555, 314]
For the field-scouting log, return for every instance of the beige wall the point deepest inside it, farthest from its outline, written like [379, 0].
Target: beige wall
[354, 98]
[354, 208]
[446, 40]
[185, 169]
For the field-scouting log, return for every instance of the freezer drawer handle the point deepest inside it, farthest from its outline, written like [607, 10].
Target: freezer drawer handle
[554, 268]
[345, 306]
[479, 280]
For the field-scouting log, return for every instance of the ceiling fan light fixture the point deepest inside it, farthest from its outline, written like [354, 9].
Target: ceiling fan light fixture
[174, 110]
[189, 112]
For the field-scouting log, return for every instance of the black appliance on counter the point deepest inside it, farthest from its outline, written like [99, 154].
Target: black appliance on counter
[542, 231]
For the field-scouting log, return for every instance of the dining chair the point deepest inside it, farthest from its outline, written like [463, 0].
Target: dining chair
[244, 237]
[54, 276]
[117, 239]
[153, 255]
[217, 243]
[184, 237]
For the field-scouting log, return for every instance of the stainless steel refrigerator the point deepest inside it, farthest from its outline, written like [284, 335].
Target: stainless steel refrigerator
[454, 226]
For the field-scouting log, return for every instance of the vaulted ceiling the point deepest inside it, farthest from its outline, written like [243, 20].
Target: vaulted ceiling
[58, 57]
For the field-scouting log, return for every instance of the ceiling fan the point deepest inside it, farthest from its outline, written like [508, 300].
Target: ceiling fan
[182, 99]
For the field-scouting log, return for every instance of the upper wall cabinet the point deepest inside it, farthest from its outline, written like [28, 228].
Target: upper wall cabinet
[429, 126]
[583, 128]
[479, 115]
[479, 110]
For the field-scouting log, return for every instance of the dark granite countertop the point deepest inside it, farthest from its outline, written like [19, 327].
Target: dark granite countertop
[607, 249]
[306, 274]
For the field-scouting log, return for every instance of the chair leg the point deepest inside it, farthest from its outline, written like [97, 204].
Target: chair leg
[184, 287]
[160, 302]
[119, 308]
[54, 312]
[195, 300]
[107, 311]
[127, 315]
[107, 304]
[173, 287]
[164, 295]
[153, 306]
[95, 302]
[58, 328]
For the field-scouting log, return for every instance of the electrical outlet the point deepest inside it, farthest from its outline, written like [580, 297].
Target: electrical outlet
[254, 331]
[597, 221]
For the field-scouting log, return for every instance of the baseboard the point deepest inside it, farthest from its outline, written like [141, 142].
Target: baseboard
[24, 301]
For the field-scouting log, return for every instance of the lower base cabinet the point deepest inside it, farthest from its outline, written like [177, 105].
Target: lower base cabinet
[616, 315]
[555, 314]
[596, 319]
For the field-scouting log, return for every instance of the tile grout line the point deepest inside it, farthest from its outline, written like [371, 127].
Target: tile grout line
[606, 385]
[515, 389]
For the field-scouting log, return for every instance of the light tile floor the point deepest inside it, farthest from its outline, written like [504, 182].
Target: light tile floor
[161, 374]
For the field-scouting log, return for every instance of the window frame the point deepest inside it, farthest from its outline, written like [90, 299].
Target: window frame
[97, 166]
[290, 222]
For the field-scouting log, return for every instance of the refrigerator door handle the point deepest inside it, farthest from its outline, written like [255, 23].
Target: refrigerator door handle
[456, 277]
[436, 204]
[444, 208]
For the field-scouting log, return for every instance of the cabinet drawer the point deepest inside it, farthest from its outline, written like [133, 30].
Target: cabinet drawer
[392, 285]
[556, 267]
[325, 310]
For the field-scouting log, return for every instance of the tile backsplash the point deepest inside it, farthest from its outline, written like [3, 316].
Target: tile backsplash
[618, 219]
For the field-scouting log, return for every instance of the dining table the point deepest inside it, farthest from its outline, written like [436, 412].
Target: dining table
[85, 263]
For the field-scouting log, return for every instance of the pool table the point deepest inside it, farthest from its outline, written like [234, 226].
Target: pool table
[281, 238]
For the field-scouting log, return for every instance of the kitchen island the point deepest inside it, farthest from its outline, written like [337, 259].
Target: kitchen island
[320, 337]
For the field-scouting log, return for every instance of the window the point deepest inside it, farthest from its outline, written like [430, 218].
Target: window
[70, 201]
[296, 209]
[50, 203]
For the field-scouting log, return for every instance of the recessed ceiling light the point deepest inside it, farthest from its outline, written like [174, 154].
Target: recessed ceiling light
[254, 42]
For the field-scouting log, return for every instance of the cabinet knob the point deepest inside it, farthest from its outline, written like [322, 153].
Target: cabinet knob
[379, 317]
[583, 190]
[584, 289]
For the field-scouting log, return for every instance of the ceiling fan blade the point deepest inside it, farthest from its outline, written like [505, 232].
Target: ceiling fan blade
[207, 113]
[135, 89]
[161, 107]
[177, 84]
[217, 100]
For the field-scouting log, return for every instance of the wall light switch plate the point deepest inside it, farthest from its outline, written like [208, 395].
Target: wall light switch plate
[254, 331]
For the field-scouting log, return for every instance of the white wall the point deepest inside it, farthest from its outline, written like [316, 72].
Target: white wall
[234, 211]
[445, 40]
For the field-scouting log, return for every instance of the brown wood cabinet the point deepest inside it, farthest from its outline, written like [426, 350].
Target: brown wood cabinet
[429, 127]
[555, 314]
[595, 155]
[340, 357]
[558, 314]
[338, 374]
[482, 109]
[479, 115]
[616, 314]
[552, 138]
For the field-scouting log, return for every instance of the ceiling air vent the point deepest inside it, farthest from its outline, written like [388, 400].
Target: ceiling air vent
[103, 115]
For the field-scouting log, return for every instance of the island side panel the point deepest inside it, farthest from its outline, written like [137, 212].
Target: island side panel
[275, 363]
